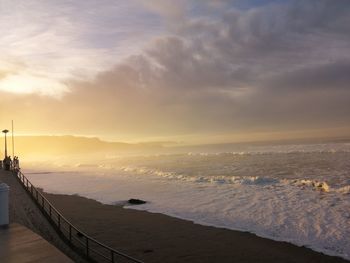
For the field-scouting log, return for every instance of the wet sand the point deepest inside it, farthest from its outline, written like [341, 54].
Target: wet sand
[159, 238]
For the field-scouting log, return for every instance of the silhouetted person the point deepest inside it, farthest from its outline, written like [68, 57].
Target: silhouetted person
[7, 162]
[16, 163]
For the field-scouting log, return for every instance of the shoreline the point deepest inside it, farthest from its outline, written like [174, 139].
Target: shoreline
[154, 237]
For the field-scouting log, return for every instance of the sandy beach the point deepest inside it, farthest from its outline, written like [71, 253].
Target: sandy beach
[159, 238]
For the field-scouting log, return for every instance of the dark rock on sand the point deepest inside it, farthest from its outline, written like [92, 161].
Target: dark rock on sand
[133, 201]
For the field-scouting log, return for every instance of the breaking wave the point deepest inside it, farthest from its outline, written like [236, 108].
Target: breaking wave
[321, 186]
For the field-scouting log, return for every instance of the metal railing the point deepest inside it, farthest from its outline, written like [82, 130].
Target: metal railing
[88, 247]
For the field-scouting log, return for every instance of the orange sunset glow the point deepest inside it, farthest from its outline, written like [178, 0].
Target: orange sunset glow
[141, 75]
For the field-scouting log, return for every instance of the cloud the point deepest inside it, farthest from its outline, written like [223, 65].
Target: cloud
[279, 66]
[167, 8]
[332, 76]
[4, 73]
[70, 40]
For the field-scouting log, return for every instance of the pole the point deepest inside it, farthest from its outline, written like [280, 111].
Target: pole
[5, 131]
[5, 145]
[13, 144]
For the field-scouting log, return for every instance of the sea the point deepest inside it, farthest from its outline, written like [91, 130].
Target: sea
[298, 193]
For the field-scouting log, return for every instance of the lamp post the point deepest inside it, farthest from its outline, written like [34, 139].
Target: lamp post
[5, 131]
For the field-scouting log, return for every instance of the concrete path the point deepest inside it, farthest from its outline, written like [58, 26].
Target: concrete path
[18, 244]
[24, 211]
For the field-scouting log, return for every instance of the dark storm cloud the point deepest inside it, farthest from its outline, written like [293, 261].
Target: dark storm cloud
[243, 69]
[333, 76]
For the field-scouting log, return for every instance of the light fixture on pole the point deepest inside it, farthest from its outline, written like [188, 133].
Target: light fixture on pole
[5, 131]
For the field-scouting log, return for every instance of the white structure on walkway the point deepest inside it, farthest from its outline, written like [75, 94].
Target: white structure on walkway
[4, 204]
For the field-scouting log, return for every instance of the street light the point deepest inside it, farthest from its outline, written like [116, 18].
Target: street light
[5, 131]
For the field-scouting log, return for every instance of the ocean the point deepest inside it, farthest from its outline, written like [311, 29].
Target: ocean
[299, 193]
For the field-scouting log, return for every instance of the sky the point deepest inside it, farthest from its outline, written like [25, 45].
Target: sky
[184, 71]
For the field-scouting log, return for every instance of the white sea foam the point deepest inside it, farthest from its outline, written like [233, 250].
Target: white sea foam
[248, 180]
[299, 197]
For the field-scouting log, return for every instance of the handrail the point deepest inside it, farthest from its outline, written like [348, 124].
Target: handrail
[88, 246]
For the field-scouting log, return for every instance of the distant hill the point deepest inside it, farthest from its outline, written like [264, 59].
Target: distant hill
[53, 146]
[73, 145]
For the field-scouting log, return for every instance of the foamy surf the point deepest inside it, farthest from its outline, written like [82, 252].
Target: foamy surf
[299, 197]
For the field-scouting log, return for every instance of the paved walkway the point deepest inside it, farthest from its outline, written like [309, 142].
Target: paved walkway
[18, 244]
[24, 212]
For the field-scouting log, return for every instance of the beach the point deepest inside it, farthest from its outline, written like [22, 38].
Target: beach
[298, 194]
[154, 237]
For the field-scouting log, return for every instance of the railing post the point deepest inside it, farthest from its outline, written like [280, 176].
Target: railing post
[37, 197]
[42, 202]
[112, 256]
[31, 190]
[50, 212]
[70, 233]
[87, 246]
[59, 221]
